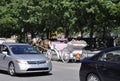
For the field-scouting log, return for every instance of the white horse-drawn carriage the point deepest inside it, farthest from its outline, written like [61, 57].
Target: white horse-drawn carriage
[73, 50]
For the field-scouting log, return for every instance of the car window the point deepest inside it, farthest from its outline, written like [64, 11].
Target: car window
[23, 49]
[4, 48]
[111, 56]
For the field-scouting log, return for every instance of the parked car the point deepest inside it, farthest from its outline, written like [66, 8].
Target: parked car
[103, 66]
[22, 58]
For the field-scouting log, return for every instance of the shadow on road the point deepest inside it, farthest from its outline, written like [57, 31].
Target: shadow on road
[27, 74]
[70, 61]
[3, 72]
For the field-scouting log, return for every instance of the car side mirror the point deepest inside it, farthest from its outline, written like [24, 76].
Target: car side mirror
[5, 52]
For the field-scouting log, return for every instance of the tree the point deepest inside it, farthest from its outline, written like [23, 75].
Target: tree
[8, 21]
[47, 16]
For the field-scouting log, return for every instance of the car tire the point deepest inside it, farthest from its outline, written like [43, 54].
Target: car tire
[11, 69]
[92, 77]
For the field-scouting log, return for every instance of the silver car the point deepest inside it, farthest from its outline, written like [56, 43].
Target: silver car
[22, 58]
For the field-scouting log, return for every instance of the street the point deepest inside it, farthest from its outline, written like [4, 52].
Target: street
[61, 72]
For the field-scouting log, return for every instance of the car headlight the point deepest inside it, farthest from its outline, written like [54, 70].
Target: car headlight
[21, 61]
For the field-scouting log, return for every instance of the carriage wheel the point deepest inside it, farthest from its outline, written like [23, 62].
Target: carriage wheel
[48, 54]
[54, 55]
[84, 54]
[65, 57]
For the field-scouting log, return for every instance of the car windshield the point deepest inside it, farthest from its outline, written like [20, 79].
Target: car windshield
[23, 49]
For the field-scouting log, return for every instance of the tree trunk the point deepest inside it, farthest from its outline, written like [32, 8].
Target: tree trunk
[81, 31]
[92, 43]
[91, 32]
[66, 32]
[47, 33]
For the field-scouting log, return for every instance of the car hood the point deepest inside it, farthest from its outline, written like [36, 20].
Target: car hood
[31, 57]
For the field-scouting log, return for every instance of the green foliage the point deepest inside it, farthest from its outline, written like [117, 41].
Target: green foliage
[68, 16]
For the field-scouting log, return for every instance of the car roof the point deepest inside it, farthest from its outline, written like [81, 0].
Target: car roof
[14, 44]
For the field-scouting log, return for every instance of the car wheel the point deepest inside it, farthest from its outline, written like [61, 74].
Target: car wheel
[65, 57]
[92, 77]
[11, 69]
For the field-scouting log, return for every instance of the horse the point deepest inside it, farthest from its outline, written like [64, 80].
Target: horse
[44, 45]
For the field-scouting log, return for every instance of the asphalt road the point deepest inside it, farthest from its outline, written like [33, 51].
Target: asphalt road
[61, 72]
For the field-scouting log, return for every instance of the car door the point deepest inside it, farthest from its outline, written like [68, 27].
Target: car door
[109, 66]
[4, 57]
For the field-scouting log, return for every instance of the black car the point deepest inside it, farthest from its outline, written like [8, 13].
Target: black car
[103, 66]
